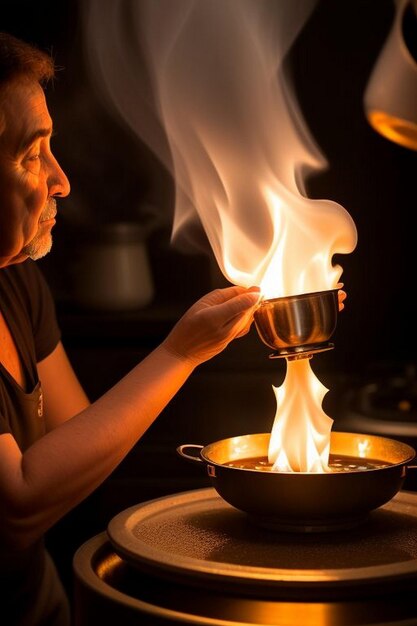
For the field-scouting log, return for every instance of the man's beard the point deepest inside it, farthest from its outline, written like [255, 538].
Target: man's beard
[41, 244]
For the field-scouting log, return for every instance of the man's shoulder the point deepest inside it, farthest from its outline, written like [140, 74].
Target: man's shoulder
[23, 270]
[25, 278]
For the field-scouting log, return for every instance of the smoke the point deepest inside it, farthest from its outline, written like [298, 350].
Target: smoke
[203, 84]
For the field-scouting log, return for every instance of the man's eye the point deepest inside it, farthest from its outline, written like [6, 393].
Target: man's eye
[32, 163]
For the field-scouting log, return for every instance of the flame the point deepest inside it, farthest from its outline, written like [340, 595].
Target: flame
[204, 85]
[300, 437]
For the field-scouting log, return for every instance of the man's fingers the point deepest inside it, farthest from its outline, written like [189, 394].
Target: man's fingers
[243, 303]
[342, 295]
[218, 296]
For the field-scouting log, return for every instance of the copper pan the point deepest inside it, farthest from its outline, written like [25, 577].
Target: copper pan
[305, 502]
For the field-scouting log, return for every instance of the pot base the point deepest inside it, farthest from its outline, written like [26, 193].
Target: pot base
[301, 352]
[307, 526]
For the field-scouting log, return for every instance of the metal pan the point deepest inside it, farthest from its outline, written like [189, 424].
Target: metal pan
[305, 502]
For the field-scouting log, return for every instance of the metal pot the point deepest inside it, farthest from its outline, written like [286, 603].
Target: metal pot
[305, 502]
[300, 325]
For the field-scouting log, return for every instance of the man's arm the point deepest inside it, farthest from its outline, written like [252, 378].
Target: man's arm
[63, 396]
[59, 470]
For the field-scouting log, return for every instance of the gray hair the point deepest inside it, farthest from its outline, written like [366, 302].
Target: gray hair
[19, 59]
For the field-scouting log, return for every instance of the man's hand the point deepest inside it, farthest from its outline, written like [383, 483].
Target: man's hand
[342, 295]
[212, 323]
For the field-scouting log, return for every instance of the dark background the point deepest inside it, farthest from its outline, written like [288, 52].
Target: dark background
[374, 179]
[114, 177]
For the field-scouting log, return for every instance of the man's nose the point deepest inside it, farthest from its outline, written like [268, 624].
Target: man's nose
[57, 181]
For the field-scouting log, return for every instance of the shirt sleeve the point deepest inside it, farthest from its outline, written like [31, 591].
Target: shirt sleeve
[46, 330]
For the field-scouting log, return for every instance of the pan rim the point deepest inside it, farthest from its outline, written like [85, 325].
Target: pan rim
[411, 455]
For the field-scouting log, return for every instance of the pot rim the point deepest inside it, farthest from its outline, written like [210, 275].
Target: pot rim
[298, 296]
[409, 455]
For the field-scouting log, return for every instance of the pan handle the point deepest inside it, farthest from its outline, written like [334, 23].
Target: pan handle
[190, 457]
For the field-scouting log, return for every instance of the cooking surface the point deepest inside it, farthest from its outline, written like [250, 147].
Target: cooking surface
[198, 538]
[109, 590]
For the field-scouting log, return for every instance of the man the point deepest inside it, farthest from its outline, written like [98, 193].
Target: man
[56, 448]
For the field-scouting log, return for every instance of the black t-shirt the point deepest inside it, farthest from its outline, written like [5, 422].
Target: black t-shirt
[29, 586]
[28, 309]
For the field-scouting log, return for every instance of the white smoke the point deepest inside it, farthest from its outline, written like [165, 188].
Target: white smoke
[203, 84]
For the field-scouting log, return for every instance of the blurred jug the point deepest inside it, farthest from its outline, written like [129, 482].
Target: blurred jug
[113, 271]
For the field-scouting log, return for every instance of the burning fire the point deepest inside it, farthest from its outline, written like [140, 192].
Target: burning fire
[224, 120]
[300, 438]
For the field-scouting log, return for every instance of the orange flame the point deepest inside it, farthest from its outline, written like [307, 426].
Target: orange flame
[300, 437]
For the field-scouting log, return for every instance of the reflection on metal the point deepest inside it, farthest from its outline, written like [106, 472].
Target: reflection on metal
[390, 98]
[403, 132]
[108, 565]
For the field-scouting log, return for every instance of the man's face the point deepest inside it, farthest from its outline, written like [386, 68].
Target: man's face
[29, 174]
